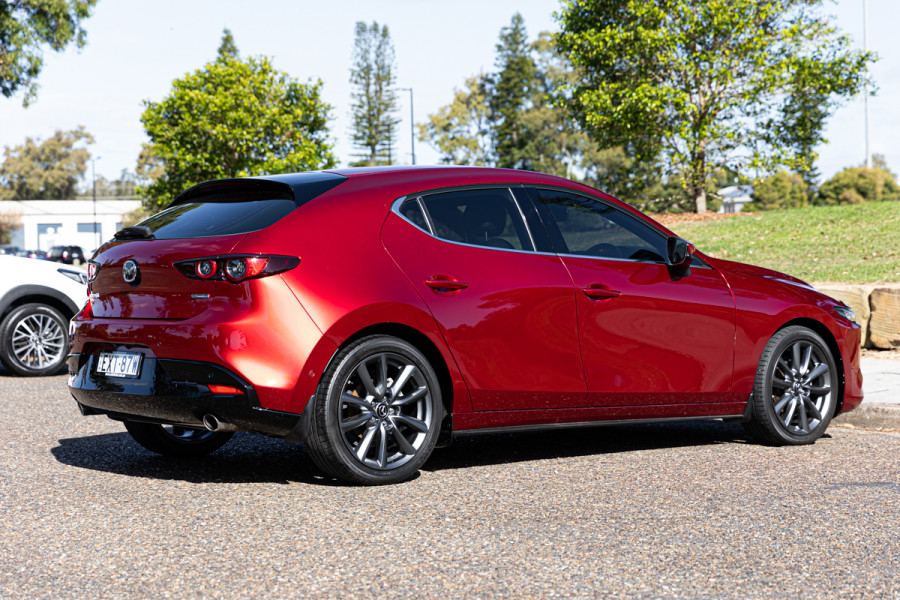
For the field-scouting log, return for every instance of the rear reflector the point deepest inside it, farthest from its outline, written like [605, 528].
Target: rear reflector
[224, 389]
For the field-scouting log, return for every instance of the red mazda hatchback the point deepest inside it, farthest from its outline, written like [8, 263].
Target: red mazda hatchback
[374, 313]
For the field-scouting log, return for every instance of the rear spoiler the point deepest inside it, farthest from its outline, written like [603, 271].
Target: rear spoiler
[299, 187]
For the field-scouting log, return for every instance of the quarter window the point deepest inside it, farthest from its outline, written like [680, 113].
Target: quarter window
[413, 211]
[480, 217]
[590, 227]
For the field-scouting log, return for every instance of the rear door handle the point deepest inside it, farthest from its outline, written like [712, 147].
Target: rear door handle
[598, 291]
[445, 283]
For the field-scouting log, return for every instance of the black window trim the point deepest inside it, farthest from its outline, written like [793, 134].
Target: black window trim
[396, 204]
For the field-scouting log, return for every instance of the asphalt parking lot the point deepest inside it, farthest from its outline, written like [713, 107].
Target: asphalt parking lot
[674, 511]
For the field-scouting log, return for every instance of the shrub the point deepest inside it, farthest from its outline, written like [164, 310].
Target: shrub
[855, 185]
[778, 191]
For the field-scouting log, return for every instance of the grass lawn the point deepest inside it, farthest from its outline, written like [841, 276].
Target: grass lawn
[856, 244]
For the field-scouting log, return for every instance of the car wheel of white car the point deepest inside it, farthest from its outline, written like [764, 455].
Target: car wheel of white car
[34, 340]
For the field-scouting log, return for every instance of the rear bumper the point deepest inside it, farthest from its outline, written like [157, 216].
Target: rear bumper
[174, 392]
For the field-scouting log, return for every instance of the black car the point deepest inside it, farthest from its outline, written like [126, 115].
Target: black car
[66, 254]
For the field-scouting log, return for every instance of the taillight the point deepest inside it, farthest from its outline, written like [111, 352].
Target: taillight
[206, 268]
[92, 271]
[235, 268]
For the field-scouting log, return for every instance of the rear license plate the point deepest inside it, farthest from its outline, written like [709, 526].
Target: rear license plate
[119, 364]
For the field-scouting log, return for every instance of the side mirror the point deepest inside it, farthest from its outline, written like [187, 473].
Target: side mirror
[679, 252]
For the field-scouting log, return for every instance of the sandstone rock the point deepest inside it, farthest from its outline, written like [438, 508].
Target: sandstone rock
[856, 297]
[884, 324]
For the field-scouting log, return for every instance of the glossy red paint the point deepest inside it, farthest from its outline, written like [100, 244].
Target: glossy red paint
[524, 338]
[663, 339]
[514, 303]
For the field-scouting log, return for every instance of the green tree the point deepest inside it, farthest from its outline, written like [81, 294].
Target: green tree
[232, 118]
[48, 170]
[121, 188]
[227, 47]
[510, 94]
[780, 190]
[28, 25]
[855, 185]
[374, 99]
[711, 83]
[461, 130]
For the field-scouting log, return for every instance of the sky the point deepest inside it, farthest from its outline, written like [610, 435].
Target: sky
[136, 48]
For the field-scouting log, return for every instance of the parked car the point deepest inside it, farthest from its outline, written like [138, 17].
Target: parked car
[66, 254]
[375, 313]
[37, 299]
[13, 250]
[38, 254]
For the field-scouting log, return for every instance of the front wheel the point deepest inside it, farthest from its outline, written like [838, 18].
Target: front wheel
[796, 389]
[34, 340]
[377, 413]
[173, 440]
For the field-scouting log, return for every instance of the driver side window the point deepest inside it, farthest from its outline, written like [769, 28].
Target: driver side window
[589, 227]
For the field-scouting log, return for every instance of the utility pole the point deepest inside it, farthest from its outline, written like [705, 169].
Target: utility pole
[412, 123]
[866, 83]
[94, 187]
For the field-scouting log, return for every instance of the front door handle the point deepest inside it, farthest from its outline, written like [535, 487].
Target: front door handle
[445, 283]
[598, 291]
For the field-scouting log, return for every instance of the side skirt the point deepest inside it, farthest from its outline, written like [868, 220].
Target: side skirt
[579, 424]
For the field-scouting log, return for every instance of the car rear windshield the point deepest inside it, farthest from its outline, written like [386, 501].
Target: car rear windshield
[227, 209]
[210, 218]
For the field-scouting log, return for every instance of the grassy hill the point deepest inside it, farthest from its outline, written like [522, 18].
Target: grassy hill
[858, 244]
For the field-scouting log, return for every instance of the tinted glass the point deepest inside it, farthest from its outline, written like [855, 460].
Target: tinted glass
[412, 211]
[593, 228]
[205, 219]
[481, 217]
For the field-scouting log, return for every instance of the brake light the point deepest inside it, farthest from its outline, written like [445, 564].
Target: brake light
[235, 268]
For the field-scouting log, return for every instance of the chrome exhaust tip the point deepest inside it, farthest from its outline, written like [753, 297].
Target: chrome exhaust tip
[213, 423]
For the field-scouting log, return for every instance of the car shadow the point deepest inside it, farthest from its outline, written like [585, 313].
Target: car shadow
[491, 449]
[258, 459]
[246, 458]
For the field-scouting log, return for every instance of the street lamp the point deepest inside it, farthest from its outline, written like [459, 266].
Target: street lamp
[866, 82]
[94, 187]
[412, 124]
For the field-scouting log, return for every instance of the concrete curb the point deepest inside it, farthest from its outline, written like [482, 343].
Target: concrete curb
[877, 417]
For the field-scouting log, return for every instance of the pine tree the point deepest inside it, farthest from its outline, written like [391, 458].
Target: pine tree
[511, 89]
[374, 101]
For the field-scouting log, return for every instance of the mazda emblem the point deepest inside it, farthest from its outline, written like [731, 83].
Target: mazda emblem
[130, 272]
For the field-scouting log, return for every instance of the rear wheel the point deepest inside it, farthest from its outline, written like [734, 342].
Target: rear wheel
[796, 389]
[377, 413]
[173, 440]
[34, 340]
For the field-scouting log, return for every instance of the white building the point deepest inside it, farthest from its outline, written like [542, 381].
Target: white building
[47, 223]
[735, 197]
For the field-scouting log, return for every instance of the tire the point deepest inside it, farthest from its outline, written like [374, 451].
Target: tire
[172, 440]
[795, 391]
[34, 340]
[389, 426]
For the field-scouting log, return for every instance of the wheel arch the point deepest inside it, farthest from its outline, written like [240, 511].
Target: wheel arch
[422, 343]
[37, 294]
[825, 333]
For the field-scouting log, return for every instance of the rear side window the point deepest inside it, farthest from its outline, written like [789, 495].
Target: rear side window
[480, 217]
[206, 219]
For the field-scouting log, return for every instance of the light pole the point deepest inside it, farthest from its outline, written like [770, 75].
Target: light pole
[412, 123]
[866, 82]
[94, 188]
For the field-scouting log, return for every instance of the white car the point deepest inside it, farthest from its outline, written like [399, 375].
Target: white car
[37, 300]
